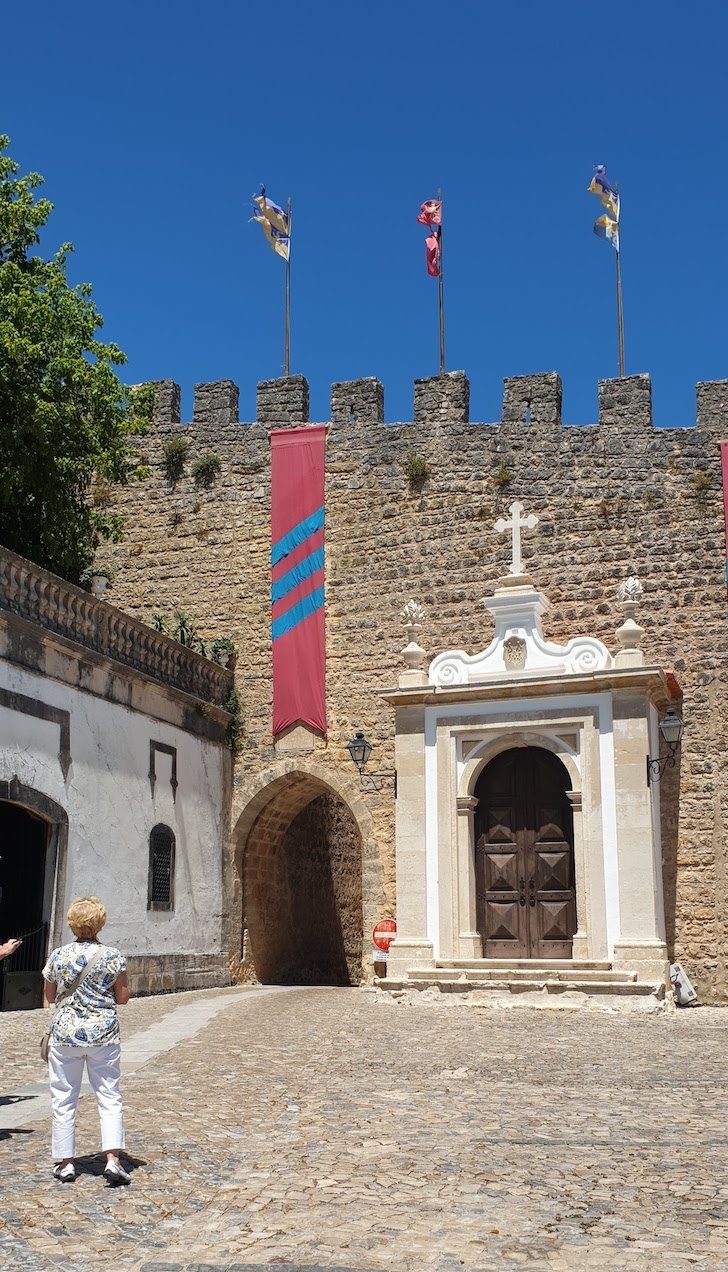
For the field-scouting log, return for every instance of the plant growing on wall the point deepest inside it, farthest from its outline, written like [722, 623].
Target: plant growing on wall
[175, 453]
[234, 730]
[65, 417]
[206, 468]
[502, 475]
[417, 470]
[185, 630]
[700, 485]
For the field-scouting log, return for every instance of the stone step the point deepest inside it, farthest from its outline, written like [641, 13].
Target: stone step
[539, 985]
[582, 976]
[530, 963]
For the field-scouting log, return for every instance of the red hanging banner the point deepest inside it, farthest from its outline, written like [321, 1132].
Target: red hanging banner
[298, 632]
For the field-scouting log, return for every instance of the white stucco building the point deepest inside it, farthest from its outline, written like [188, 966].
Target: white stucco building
[114, 780]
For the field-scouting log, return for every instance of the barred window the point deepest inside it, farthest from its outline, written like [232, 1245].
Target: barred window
[160, 894]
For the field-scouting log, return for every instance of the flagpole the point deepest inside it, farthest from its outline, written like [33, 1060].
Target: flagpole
[287, 353]
[620, 316]
[441, 296]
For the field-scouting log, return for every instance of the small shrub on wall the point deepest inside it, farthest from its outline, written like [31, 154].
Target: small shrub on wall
[206, 469]
[175, 454]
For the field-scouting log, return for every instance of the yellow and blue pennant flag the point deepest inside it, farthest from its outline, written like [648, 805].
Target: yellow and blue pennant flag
[606, 226]
[274, 222]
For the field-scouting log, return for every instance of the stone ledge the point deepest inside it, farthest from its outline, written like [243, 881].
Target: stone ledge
[168, 973]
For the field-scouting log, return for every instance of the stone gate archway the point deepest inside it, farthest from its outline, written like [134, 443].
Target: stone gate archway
[303, 845]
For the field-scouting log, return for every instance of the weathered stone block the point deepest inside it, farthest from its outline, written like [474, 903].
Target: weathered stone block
[166, 402]
[216, 403]
[443, 397]
[532, 399]
[626, 403]
[712, 406]
[356, 400]
[283, 401]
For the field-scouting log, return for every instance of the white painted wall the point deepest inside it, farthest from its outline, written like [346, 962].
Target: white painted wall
[111, 811]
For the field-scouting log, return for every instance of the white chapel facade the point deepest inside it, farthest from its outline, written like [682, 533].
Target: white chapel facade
[527, 828]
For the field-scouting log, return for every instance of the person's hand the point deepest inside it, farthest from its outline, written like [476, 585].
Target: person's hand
[10, 947]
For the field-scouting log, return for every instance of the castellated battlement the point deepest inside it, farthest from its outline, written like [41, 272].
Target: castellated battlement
[624, 404]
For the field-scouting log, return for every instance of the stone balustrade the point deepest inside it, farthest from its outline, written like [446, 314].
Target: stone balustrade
[41, 597]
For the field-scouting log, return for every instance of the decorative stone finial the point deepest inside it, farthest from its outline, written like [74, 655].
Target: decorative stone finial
[413, 615]
[413, 654]
[630, 590]
[629, 635]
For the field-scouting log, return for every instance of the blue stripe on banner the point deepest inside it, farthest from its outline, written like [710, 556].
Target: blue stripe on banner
[305, 568]
[297, 613]
[297, 535]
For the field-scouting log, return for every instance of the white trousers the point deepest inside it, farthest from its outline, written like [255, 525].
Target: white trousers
[65, 1069]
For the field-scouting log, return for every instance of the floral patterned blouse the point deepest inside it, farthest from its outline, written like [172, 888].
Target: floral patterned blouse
[88, 1018]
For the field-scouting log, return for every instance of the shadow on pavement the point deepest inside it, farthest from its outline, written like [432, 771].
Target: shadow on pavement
[93, 1163]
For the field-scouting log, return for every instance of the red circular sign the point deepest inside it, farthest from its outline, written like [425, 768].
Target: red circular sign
[384, 933]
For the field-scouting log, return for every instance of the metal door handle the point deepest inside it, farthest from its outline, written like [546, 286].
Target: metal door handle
[532, 891]
[522, 892]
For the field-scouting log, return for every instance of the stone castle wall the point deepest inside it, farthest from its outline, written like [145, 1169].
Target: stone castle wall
[613, 498]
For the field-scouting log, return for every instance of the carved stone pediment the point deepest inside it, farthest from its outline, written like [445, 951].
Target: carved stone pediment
[519, 646]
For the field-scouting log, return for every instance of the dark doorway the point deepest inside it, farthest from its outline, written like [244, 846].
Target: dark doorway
[24, 846]
[524, 856]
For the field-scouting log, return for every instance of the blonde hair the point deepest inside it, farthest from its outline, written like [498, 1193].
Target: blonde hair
[86, 917]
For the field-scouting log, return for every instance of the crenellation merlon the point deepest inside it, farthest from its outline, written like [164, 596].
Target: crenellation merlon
[532, 399]
[442, 398]
[166, 409]
[283, 401]
[357, 401]
[626, 403]
[215, 403]
[712, 406]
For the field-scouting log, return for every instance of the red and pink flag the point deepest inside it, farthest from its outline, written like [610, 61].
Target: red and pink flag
[432, 254]
[297, 577]
[431, 216]
[431, 212]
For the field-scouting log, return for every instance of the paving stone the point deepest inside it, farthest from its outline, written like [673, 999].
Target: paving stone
[311, 1131]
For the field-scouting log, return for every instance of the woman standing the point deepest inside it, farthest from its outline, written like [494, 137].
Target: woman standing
[85, 1031]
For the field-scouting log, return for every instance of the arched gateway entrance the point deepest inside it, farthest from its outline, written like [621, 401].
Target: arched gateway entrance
[299, 861]
[524, 856]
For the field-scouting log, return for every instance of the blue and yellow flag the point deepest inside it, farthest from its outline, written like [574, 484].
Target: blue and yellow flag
[606, 227]
[274, 222]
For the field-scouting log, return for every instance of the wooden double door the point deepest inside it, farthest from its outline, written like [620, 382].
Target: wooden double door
[524, 856]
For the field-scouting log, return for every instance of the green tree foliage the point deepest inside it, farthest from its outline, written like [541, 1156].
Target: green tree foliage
[65, 417]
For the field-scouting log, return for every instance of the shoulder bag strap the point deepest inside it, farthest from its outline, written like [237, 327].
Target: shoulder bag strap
[80, 978]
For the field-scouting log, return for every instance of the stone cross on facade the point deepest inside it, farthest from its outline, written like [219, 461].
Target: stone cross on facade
[516, 524]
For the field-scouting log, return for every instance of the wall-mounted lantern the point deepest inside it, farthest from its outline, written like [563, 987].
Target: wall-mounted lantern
[360, 749]
[671, 731]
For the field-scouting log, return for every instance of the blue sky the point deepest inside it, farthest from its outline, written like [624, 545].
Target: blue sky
[154, 123]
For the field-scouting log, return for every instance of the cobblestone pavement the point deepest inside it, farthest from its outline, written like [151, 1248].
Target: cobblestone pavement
[322, 1129]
